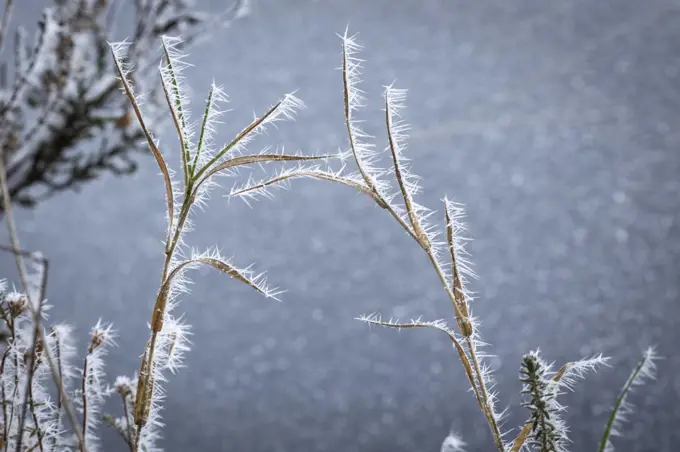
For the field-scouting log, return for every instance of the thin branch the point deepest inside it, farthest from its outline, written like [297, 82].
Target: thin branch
[6, 14]
[420, 234]
[128, 437]
[36, 422]
[347, 102]
[14, 240]
[152, 145]
[177, 109]
[31, 372]
[84, 395]
[312, 174]
[462, 315]
[350, 73]
[437, 325]
[60, 378]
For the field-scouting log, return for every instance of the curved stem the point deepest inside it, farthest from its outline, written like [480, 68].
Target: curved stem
[486, 408]
[619, 403]
[146, 366]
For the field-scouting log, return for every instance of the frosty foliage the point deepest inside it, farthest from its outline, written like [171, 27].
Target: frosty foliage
[644, 371]
[93, 390]
[446, 253]
[546, 430]
[200, 162]
[63, 121]
[24, 360]
[35, 354]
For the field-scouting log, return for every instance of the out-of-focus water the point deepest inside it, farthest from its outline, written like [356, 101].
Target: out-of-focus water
[556, 123]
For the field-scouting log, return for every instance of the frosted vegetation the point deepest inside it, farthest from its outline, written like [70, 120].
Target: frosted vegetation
[53, 390]
[64, 121]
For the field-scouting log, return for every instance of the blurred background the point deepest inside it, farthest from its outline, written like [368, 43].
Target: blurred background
[555, 123]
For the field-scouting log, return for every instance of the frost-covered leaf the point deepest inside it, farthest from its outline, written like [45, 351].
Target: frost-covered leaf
[644, 371]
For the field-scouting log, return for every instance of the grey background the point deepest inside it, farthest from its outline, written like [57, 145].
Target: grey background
[554, 122]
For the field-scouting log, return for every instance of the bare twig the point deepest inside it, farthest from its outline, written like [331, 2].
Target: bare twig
[60, 384]
[350, 72]
[28, 393]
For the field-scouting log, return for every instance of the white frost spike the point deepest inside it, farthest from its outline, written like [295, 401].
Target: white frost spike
[171, 69]
[644, 371]
[286, 108]
[94, 393]
[364, 153]
[174, 336]
[397, 141]
[252, 189]
[205, 148]
[120, 51]
[61, 347]
[456, 214]
[124, 69]
[577, 370]
[453, 443]
[63, 351]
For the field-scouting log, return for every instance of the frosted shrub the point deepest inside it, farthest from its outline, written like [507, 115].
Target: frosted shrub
[63, 121]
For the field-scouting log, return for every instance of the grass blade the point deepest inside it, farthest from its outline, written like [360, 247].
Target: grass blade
[177, 109]
[395, 140]
[363, 153]
[259, 158]
[178, 128]
[152, 145]
[243, 275]
[285, 107]
[462, 313]
[204, 125]
[438, 325]
[253, 189]
[644, 370]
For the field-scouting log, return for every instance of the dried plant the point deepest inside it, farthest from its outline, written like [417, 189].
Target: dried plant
[449, 260]
[63, 122]
[34, 352]
[414, 218]
[201, 162]
[33, 420]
